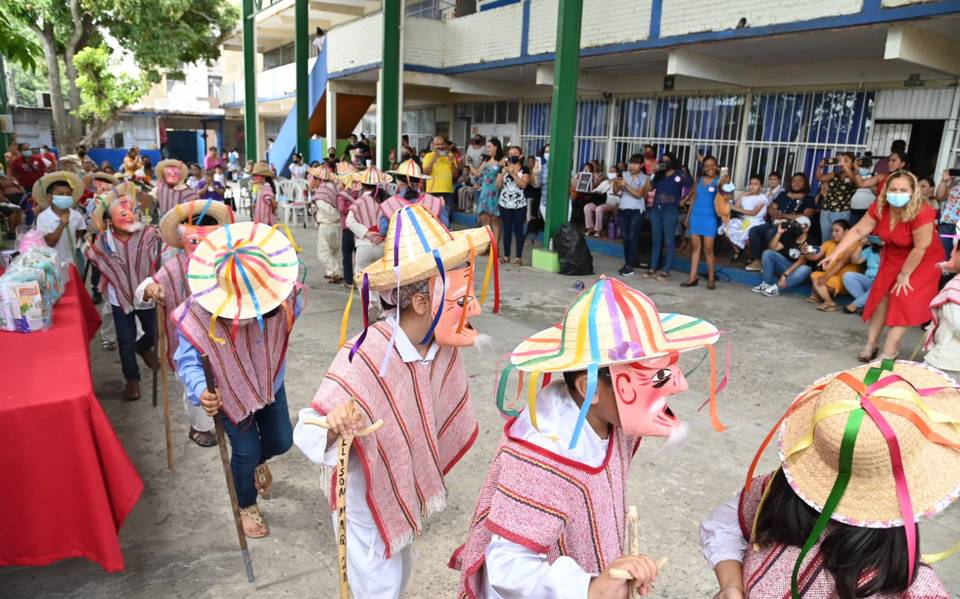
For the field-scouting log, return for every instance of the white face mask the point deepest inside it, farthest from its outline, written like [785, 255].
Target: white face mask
[611, 176]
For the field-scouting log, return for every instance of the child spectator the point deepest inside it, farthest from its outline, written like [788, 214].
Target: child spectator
[592, 213]
[774, 185]
[752, 208]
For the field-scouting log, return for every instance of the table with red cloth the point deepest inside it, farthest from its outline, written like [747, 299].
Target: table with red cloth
[68, 483]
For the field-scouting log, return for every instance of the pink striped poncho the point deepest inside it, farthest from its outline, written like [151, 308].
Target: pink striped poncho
[245, 368]
[549, 504]
[767, 570]
[263, 210]
[168, 197]
[394, 203]
[131, 263]
[428, 425]
[172, 276]
[365, 210]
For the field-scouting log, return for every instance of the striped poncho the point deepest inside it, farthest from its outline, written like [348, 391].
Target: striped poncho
[128, 263]
[394, 203]
[172, 276]
[767, 570]
[169, 197]
[549, 504]
[428, 425]
[263, 209]
[246, 367]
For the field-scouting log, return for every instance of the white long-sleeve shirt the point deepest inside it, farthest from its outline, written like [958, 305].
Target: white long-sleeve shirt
[511, 571]
[358, 229]
[720, 536]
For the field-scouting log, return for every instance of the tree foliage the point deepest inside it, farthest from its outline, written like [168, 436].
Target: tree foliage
[90, 42]
[17, 44]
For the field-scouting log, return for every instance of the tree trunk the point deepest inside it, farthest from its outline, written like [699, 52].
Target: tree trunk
[96, 130]
[70, 50]
[62, 120]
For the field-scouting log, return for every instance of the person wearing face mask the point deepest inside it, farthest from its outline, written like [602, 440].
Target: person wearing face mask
[182, 229]
[512, 179]
[126, 252]
[246, 340]
[26, 167]
[62, 225]
[908, 276]
[592, 213]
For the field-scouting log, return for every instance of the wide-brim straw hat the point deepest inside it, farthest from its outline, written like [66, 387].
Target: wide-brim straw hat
[70, 162]
[261, 168]
[409, 168]
[40, 187]
[258, 257]
[413, 237]
[622, 322]
[184, 173]
[184, 213]
[323, 172]
[811, 437]
[124, 189]
[372, 176]
[102, 176]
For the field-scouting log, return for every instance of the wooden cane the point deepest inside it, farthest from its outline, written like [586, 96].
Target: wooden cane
[164, 383]
[343, 461]
[156, 329]
[228, 473]
[633, 541]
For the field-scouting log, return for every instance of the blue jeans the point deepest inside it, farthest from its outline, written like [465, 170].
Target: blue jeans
[347, 247]
[630, 223]
[947, 229]
[774, 265]
[449, 202]
[264, 434]
[514, 220]
[663, 225]
[857, 285]
[760, 237]
[127, 343]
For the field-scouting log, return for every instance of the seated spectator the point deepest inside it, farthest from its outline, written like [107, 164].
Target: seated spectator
[195, 177]
[774, 185]
[858, 284]
[752, 210]
[784, 264]
[593, 214]
[829, 284]
[789, 205]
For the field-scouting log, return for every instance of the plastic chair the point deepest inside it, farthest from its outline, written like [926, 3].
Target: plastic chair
[292, 198]
[244, 197]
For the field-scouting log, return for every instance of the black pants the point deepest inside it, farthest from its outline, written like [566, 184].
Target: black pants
[760, 238]
[127, 342]
[514, 220]
[347, 247]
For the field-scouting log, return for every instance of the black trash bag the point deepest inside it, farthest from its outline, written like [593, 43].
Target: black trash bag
[571, 247]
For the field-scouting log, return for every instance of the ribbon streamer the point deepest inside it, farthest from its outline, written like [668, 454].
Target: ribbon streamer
[594, 367]
[344, 320]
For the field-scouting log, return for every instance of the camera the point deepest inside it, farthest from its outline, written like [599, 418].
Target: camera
[832, 161]
[790, 227]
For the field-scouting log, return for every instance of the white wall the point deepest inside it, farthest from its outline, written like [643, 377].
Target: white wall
[484, 36]
[604, 22]
[355, 44]
[424, 42]
[33, 126]
[691, 16]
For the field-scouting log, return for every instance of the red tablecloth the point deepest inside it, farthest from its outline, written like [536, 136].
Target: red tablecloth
[68, 483]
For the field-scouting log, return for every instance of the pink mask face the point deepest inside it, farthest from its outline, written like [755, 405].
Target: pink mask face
[459, 298]
[123, 215]
[641, 389]
[192, 236]
[171, 175]
[258, 178]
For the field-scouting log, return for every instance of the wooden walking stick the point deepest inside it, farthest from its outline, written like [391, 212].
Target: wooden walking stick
[165, 384]
[633, 548]
[228, 473]
[156, 330]
[343, 460]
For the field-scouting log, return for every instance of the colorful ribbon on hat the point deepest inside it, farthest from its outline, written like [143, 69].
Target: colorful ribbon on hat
[493, 267]
[473, 261]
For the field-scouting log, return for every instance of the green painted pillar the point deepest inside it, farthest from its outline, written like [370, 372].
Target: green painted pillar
[249, 82]
[563, 119]
[302, 48]
[389, 98]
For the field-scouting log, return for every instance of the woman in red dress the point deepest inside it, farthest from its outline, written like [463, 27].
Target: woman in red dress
[908, 277]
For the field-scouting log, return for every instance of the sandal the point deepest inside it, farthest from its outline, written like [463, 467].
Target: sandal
[504, 260]
[263, 479]
[649, 274]
[868, 354]
[813, 299]
[663, 276]
[517, 262]
[203, 438]
[254, 526]
[825, 307]
[855, 310]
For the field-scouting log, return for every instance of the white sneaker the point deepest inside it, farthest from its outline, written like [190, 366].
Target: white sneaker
[771, 290]
[759, 288]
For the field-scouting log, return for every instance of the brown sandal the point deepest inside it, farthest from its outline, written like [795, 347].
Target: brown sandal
[254, 526]
[825, 307]
[263, 479]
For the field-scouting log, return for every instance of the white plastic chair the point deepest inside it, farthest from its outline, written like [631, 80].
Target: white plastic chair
[293, 199]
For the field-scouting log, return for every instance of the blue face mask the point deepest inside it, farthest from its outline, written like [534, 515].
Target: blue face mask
[63, 202]
[898, 200]
[864, 172]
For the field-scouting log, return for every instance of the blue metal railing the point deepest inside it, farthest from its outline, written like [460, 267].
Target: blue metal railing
[286, 142]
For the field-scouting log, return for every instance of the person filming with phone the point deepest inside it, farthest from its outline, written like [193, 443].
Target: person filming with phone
[843, 184]
[948, 194]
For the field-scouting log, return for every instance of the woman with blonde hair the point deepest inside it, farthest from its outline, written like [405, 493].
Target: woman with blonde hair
[908, 276]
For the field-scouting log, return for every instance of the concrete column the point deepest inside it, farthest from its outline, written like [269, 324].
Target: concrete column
[331, 110]
[302, 55]
[250, 122]
[390, 87]
[951, 136]
[563, 118]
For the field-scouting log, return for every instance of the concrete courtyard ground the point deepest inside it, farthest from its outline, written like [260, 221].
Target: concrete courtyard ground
[179, 540]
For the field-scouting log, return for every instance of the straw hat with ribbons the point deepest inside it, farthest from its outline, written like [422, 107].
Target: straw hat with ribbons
[372, 176]
[102, 176]
[39, 191]
[323, 172]
[877, 446]
[171, 162]
[609, 323]
[409, 168]
[190, 213]
[416, 248]
[242, 270]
